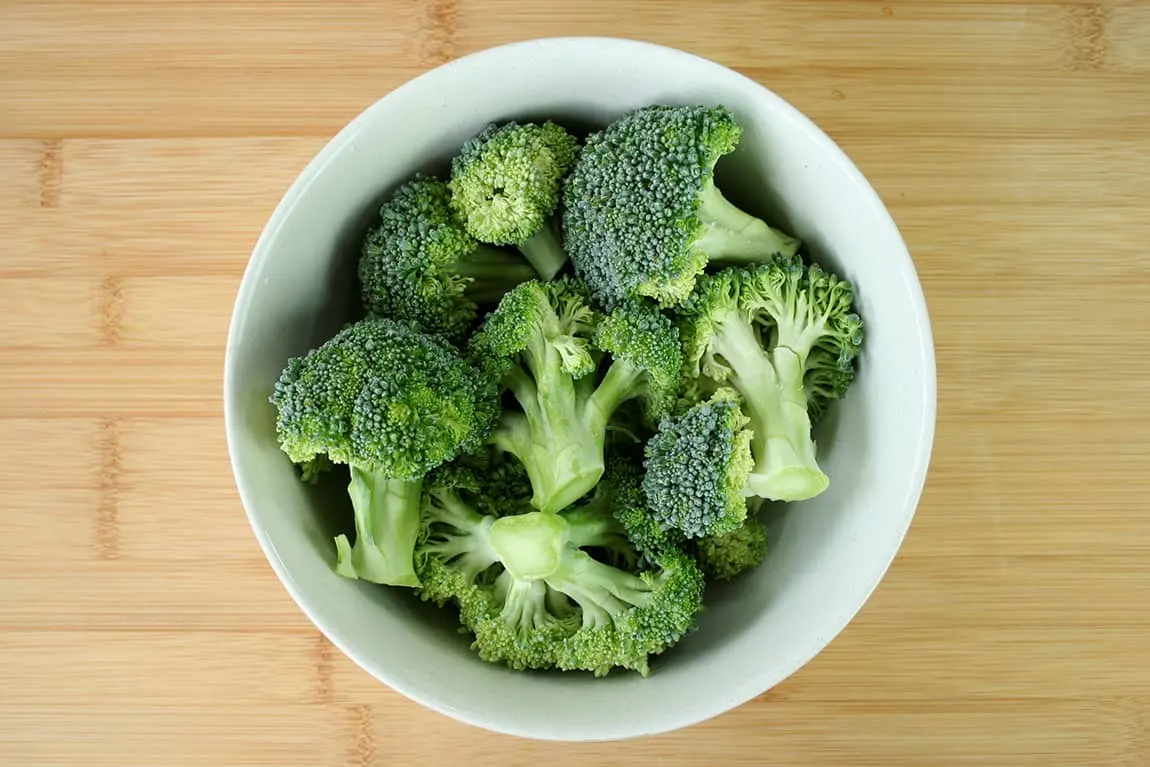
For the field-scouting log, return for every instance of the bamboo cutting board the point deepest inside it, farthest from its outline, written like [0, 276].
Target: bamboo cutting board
[144, 144]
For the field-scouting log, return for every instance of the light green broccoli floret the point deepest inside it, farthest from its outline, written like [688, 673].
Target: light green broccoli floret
[529, 589]
[420, 264]
[392, 403]
[725, 556]
[546, 345]
[505, 185]
[697, 467]
[642, 214]
[761, 330]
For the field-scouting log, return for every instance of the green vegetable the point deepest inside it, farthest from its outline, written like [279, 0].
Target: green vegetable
[420, 264]
[568, 457]
[534, 597]
[392, 403]
[505, 184]
[761, 330]
[643, 216]
[545, 343]
[697, 468]
[726, 556]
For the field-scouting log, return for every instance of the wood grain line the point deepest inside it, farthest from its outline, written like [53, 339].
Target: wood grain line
[111, 310]
[1086, 37]
[51, 169]
[323, 670]
[438, 33]
[110, 450]
[363, 754]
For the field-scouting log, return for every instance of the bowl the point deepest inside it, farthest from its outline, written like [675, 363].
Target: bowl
[827, 554]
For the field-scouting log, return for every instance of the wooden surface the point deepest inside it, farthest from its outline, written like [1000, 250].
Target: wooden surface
[144, 144]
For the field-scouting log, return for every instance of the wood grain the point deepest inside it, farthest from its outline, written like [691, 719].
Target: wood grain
[142, 147]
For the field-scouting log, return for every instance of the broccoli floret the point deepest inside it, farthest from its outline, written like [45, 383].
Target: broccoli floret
[505, 184]
[534, 597]
[649, 538]
[724, 556]
[642, 214]
[538, 343]
[759, 330]
[420, 264]
[311, 470]
[697, 468]
[392, 403]
[827, 379]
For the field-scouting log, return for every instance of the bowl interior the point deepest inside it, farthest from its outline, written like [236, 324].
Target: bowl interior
[827, 554]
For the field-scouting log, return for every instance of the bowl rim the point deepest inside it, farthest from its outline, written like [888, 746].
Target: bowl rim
[719, 704]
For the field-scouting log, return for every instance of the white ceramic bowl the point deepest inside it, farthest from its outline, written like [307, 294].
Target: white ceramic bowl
[827, 554]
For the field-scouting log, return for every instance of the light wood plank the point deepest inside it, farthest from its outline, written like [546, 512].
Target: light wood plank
[142, 148]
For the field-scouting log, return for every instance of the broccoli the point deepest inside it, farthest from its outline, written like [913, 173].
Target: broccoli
[648, 538]
[697, 468]
[724, 556]
[392, 403]
[420, 264]
[761, 330]
[534, 597]
[642, 214]
[544, 343]
[505, 184]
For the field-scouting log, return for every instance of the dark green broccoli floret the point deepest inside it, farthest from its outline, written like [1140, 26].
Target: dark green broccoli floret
[392, 403]
[529, 589]
[420, 264]
[761, 330]
[725, 556]
[505, 184]
[697, 468]
[643, 216]
[538, 343]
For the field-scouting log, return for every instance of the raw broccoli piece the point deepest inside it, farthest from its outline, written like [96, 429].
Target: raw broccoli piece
[642, 214]
[534, 597]
[505, 184]
[648, 537]
[545, 344]
[697, 467]
[762, 330]
[311, 470]
[392, 403]
[827, 379]
[725, 556]
[420, 264]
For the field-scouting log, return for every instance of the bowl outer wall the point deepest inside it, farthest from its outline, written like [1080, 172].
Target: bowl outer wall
[828, 554]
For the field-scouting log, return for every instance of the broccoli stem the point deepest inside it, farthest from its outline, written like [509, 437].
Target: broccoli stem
[386, 529]
[531, 546]
[771, 385]
[491, 272]
[562, 454]
[602, 591]
[619, 384]
[734, 236]
[544, 250]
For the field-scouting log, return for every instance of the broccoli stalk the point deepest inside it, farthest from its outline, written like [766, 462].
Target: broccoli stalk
[731, 235]
[505, 185]
[420, 264]
[392, 403]
[756, 329]
[537, 344]
[386, 528]
[552, 605]
[772, 383]
[643, 215]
